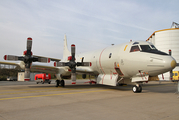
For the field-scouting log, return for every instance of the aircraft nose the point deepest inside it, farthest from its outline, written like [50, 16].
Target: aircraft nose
[170, 63]
[173, 63]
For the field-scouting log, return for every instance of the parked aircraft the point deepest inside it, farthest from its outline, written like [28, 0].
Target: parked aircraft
[133, 62]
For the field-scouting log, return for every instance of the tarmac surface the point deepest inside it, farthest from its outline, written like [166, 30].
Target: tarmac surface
[31, 101]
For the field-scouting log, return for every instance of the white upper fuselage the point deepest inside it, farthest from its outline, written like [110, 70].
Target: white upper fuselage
[121, 60]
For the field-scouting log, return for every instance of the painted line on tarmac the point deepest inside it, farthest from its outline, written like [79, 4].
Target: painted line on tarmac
[27, 89]
[39, 91]
[29, 92]
[40, 88]
[52, 94]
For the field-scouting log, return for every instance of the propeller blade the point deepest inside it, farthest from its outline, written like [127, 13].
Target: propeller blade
[73, 78]
[10, 57]
[29, 43]
[60, 64]
[86, 64]
[171, 74]
[44, 60]
[73, 52]
[27, 74]
[73, 75]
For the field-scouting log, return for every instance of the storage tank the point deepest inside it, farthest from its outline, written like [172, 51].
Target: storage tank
[165, 40]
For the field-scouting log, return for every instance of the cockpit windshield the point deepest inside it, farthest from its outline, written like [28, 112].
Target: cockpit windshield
[153, 47]
[145, 48]
[149, 48]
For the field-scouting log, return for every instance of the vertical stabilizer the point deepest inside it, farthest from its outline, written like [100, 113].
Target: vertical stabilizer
[66, 52]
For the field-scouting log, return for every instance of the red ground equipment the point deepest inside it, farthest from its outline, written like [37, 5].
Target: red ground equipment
[43, 78]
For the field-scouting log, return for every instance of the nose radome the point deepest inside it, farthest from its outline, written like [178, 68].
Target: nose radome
[173, 64]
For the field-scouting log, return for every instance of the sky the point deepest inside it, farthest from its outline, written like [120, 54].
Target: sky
[89, 24]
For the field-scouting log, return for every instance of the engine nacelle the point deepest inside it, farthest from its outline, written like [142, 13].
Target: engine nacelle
[22, 65]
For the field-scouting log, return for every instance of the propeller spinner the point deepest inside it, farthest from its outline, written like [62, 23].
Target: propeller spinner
[27, 59]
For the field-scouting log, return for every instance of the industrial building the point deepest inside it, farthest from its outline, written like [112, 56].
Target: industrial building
[165, 40]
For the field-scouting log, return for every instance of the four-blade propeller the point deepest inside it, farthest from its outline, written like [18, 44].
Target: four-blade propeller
[72, 64]
[28, 58]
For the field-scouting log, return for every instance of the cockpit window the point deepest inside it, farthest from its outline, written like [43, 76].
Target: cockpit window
[135, 43]
[153, 47]
[145, 48]
[134, 48]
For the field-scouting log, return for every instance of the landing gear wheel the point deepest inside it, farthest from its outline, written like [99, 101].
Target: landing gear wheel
[49, 82]
[134, 89]
[137, 88]
[62, 83]
[57, 83]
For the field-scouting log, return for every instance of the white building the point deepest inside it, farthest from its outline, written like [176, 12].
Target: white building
[165, 40]
[20, 76]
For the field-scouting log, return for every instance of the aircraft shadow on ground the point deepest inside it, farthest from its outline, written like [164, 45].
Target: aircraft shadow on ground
[155, 88]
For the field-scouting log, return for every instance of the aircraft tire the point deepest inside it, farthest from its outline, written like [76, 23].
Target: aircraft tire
[135, 89]
[139, 89]
[62, 83]
[57, 83]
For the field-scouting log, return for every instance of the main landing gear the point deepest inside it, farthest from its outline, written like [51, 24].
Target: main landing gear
[60, 82]
[137, 88]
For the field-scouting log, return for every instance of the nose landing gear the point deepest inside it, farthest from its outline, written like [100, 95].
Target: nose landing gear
[137, 88]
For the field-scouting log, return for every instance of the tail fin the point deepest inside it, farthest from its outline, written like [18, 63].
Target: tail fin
[66, 52]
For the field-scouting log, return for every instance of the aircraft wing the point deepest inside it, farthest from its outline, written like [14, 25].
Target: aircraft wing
[51, 59]
[9, 63]
[43, 68]
[35, 68]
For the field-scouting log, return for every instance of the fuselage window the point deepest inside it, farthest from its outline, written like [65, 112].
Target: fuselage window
[110, 55]
[134, 48]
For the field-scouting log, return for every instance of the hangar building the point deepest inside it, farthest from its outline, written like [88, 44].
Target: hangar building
[165, 40]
